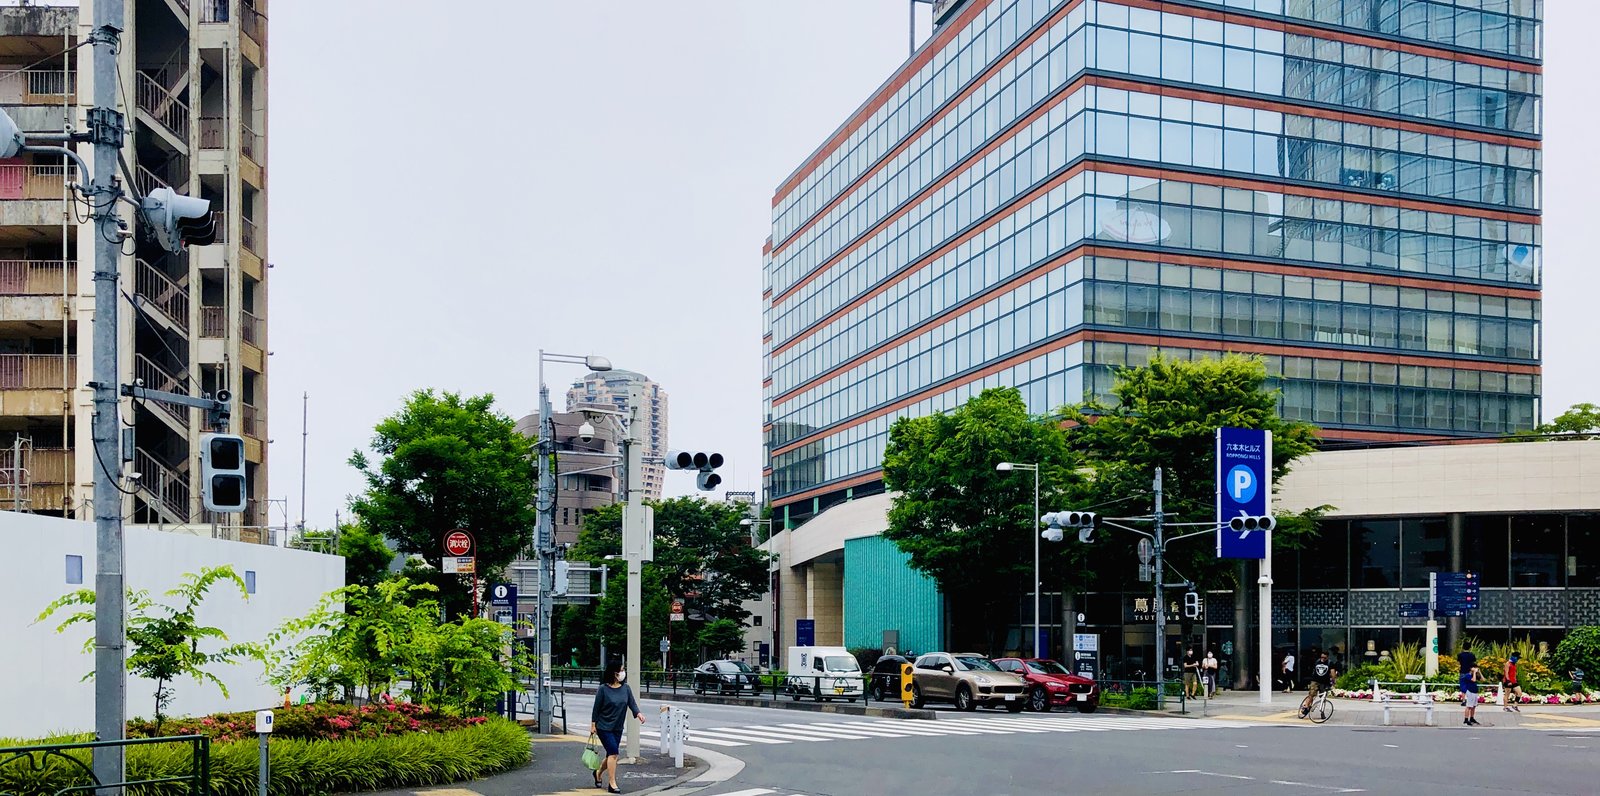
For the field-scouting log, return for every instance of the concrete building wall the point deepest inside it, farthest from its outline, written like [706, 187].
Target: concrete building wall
[41, 689]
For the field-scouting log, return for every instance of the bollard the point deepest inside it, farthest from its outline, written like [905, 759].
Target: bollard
[263, 729]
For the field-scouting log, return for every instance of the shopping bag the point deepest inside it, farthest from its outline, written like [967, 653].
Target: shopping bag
[591, 754]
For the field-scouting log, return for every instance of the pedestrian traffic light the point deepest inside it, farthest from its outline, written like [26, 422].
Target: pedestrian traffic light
[706, 463]
[1191, 605]
[906, 688]
[179, 220]
[1244, 525]
[222, 482]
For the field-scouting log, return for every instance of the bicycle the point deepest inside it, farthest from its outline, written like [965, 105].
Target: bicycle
[1318, 708]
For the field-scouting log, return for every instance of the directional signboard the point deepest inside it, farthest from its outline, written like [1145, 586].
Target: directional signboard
[1456, 591]
[1244, 489]
[1414, 610]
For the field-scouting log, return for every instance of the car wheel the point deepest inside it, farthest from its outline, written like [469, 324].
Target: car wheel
[698, 689]
[1087, 707]
[877, 692]
[916, 696]
[964, 700]
[1039, 701]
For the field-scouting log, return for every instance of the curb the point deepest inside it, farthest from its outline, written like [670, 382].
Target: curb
[690, 773]
[810, 707]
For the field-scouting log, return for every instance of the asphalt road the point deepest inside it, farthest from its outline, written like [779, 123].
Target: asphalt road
[788, 752]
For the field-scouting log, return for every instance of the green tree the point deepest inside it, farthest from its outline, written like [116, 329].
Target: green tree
[611, 614]
[445, 462]
[1580, 422]
[1579, 650]
[165, 640]
[968, 526]
[721, 637]
[367, 555]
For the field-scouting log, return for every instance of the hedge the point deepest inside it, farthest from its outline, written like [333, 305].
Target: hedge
[302, 767]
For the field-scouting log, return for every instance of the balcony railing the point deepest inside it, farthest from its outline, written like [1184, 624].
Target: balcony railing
[250, 143]
[252, 330]
[253, 22]
[247, 234]
[154, 99]
[252, 421]
[37, 87]
[36, 371]
[214, 11]
[158, 289]
[213, 321]
[36, 466]
[167, 486]
[220, 223]
[34, 181]
[36, 277]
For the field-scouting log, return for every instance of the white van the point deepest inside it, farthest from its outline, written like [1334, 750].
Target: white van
[823, 673]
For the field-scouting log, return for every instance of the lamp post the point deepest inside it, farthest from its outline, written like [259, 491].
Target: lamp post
[545, 505]
[752, 524]
[1006, 467]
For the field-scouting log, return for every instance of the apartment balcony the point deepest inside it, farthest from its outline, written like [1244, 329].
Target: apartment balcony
[252, 421]
[247, 236]
[35, 385]
[252, 330]
[38, 87]
[163, 110]
[167, 300]
[34, 292]
[253, 23]
[214, 322]
[163, 489]
[35, 479]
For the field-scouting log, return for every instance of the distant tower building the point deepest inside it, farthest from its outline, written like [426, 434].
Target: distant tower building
[613, 388]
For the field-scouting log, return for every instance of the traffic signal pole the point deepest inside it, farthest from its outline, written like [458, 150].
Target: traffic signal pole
[110, 609]
[1156, 518]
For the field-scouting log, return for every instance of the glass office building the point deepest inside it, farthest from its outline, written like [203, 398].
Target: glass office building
[1049, 189]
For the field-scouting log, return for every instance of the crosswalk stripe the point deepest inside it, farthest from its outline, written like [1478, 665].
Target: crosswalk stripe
[858, 728]
[695, 735]
[925, 728]
[989, 726]
[749, 792]
[699, 737]
[782, 736]
[833, 731]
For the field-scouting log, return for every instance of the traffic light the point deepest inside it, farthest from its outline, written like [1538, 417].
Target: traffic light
[706, 463]
[1191, 604]
[222, 486]
[1244, 525]
[1087, 522]
[179, 220]
[906, 693]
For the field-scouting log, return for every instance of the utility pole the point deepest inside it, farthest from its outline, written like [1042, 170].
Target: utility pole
[635, 560]
[110, 612]
[545, 542]
[305, 413]
[1161, 605]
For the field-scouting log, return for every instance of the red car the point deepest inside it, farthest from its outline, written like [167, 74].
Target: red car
[1052, 685]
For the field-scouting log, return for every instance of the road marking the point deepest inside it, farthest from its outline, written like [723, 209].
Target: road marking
[847, 730]
[749, 792]
[1242, 777]
[1334, 788]
[1391, 746]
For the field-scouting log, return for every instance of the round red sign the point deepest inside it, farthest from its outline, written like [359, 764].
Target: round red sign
[458, 543]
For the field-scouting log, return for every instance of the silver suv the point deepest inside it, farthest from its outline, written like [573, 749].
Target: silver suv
[966, 680]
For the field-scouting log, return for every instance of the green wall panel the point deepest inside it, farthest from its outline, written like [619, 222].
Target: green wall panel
[882, 592]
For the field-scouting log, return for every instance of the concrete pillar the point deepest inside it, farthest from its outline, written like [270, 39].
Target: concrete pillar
[827, 602]
[1455, 626]
[1243, 663]
[1069, 624]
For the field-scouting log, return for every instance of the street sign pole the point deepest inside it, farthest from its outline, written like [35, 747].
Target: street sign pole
[1433, 625]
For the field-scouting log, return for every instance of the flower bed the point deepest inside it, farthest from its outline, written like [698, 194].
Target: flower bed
[318, 721]
[302, 766]
[1486, 694]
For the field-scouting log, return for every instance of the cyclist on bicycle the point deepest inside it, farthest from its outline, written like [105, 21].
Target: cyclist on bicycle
[1322, 677]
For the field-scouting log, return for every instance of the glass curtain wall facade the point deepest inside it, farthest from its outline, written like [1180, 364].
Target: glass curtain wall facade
[1053, 188]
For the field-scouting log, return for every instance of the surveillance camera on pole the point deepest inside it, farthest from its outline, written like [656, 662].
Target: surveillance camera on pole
[705, 463]
[178, 220]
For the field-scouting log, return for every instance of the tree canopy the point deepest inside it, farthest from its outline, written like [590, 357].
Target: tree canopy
[1579, 422]
[445, 462]
[967, 525]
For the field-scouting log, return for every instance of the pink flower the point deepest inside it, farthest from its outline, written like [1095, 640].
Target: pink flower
[208, 721]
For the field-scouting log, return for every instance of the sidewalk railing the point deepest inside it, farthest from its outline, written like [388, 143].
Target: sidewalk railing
[771, 685]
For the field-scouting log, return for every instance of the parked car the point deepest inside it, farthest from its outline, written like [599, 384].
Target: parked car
[966, 680]
[1052, 685]
[725, 677]
[885, 677]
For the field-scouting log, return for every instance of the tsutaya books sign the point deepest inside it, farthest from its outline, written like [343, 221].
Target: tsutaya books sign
[1244, 489]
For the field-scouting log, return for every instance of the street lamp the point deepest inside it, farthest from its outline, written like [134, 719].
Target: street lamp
[752, 524]
[546, 508]
[1006, 467]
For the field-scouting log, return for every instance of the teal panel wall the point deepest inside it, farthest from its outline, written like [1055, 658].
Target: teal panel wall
[882, 592]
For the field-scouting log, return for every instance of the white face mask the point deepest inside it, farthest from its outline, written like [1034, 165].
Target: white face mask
[622, 677]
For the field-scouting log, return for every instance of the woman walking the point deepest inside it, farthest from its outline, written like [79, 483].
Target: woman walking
[613, 703]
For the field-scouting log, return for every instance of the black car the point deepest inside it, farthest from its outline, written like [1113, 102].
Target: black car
[885, 684]
[725, 677]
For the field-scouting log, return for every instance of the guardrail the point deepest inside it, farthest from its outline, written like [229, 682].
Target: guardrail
[764, 685]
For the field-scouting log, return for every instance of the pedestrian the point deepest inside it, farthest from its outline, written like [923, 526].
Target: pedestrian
[613, 703]
[1288, 671]
[1469, 686]
[1191, 673]
[1509, 687]
[1209, 668]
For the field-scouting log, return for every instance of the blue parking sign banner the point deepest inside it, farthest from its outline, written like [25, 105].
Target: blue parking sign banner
[1244, 489]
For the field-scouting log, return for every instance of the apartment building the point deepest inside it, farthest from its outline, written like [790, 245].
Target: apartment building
[1048, 190]
[617, 390]
[193, 75]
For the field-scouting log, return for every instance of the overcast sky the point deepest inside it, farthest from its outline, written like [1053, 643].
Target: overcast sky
[454, 186]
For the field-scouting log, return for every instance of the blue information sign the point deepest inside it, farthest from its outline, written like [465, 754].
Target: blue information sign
[1413, 610]
[503, 595]
[805, 632]
[1244, 489]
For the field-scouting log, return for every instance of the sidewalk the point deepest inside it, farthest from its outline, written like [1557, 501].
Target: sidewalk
[557, 770]
[1246, 706]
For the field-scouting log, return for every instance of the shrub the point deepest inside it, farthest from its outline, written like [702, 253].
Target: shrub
[1142, 699]
[301, 766]
[1362, 676]
[1579, 650]
[319, 720]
